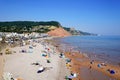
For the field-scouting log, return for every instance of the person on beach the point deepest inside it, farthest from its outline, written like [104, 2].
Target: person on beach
[48, 60]
[35, 63]
[99, 66]
[48, 51]
[71, 76]
[91, 62]
[1, 54]
[68, 60]
[103, 64]
[68, 65]
[90, 67]
[61, 55]
[111, 71]
[53, 51]
[41, 69]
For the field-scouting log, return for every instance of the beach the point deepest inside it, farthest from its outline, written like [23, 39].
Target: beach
[80, 62]
[20, 64]
[84, 66]
[1, 66]
[23, 65]
[2, 59]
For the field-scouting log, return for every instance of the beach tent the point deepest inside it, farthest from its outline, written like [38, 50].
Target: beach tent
[23, 51]
[99, 65]
[112, 72]
[61, 55]
[30, 51]
[68, 60]
[41, 69]
[30, 47]
[71, 76]
[66, 78]
[44, 54]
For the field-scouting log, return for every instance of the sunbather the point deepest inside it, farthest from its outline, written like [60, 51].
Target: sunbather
[41, 69]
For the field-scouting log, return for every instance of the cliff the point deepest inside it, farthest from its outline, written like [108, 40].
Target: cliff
[59, 32]
[78, 32]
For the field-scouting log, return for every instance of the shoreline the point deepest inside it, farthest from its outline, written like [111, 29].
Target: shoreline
[77, 64]
[78, 61]
[94, 50]
[85, 62]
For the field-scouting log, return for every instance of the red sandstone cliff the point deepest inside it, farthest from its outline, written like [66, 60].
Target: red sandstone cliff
[59, 32]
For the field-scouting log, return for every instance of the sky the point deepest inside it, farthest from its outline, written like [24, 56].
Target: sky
[95, 16]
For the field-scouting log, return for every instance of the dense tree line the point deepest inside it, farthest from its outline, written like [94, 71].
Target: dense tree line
[22, 26]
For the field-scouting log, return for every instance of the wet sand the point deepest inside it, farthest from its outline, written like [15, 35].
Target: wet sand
[92, 74]
[79, 61]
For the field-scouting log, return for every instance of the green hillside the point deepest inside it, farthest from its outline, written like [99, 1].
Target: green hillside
[77, 32]
[32, 26]
[27, 26]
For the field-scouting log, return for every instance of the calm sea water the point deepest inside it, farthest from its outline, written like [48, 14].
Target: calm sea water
[104, 48]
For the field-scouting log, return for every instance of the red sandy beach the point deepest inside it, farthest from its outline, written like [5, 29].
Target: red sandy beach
[80, 61]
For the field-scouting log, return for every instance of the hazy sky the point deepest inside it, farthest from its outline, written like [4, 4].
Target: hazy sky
[96, 16]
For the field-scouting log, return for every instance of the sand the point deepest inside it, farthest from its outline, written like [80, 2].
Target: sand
[1, 66]
[79, 61]
[19, 64]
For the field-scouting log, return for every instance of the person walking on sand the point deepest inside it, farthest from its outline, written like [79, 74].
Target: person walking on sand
[90, 67]
[91, 62]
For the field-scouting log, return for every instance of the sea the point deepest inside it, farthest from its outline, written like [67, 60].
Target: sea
[102, 48]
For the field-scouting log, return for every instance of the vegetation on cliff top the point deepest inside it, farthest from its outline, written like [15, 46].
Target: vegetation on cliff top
[28, 26]
[32, 26]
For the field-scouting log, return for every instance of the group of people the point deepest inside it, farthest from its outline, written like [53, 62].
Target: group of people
[68, 65]
[100, 65]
